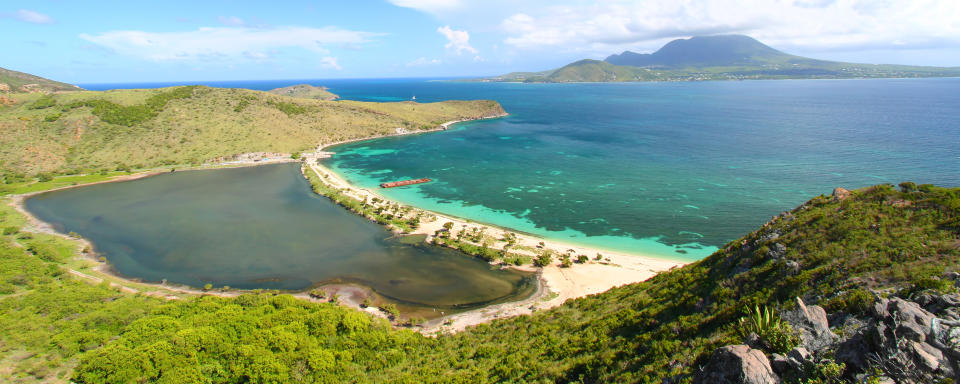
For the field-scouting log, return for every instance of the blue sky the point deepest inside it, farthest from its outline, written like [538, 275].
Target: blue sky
[125, 41]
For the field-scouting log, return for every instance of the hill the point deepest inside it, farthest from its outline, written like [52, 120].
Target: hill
[708, 51]
[305, 91]
[89, 131]
[725, 57]
[13, 81]
[855, 260]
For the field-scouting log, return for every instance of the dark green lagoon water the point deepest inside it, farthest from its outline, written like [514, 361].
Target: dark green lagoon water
[263, 227]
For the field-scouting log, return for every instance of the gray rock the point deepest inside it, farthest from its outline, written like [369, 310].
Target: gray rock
[798, 357]
[780, 364]
[853, 352]
[793, 267]
[777, 251]
[811, 324]
[736, 364]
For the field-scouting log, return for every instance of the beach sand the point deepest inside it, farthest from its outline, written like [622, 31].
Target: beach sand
[558, 284]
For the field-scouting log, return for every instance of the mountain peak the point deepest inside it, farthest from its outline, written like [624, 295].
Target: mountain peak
[704, 51]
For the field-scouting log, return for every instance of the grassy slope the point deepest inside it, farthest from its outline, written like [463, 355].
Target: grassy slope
[665, 327]
[16, 81]
[194, 125]
[305, 91]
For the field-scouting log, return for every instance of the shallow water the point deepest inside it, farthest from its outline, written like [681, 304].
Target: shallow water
[671, 169]
[263, 227]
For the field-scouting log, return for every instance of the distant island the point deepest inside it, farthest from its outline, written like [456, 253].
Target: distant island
[721, 57]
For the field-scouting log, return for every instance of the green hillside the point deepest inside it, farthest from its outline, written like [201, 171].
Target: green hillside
[842, 253]
[305, 91]
[727, 57]
[83, 131]
[13, 81]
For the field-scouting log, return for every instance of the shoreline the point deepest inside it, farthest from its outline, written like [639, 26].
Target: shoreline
[556, 284]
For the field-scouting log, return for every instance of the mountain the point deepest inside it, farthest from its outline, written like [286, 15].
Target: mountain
[723, 57]
[13, 81]
[305, 91]
[708, 51]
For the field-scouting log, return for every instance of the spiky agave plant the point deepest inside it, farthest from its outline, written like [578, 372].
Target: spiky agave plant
[776, 335]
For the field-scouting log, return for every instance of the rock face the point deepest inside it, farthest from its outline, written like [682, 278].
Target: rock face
[840, 193]
[811, 324]
[906, 341]
[737, 364]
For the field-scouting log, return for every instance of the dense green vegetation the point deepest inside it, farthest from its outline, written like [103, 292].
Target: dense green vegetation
[730, 57]
[834, 251]
[87, 132]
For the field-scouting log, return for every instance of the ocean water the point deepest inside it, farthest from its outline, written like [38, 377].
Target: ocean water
[670, 169]
[263, 227]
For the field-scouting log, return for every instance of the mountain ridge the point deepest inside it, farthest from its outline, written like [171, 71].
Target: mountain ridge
[719, 57]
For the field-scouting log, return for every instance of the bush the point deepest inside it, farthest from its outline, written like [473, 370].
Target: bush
[45, 101]
[10, 230]
[543, 260]
[776, 334]
[44, 177]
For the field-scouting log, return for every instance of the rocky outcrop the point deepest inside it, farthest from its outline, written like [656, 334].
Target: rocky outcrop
[811, 325]
[840, 193]
[906, 342]
[737, 364]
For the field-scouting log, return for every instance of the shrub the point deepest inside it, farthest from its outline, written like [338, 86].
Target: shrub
[10, 230]
[543, 260]
[45, 101]
[776, 334]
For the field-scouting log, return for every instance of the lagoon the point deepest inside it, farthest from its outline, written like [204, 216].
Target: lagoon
[263, 228]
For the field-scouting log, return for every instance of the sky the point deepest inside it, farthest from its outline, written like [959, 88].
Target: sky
[209, 40]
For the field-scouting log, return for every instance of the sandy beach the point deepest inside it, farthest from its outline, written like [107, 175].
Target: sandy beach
[556, 284]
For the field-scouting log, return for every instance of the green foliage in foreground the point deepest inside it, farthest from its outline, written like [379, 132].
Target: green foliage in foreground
[647, 332]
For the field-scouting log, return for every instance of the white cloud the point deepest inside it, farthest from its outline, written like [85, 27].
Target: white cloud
[330, 63]
[423, 61]
[429, 6]
[32, 17]
[232, 21]
[457, 41]
[223, 43]
[821, 24]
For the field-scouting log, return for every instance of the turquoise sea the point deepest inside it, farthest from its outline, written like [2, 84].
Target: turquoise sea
[672, 169]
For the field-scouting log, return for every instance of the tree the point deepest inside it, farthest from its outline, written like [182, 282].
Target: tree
[544, 259]
[207, 287]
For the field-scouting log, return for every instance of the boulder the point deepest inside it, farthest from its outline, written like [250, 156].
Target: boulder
[798, 357]
[736, 364]
[780, 364]
[811, 324]
[840, 193]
